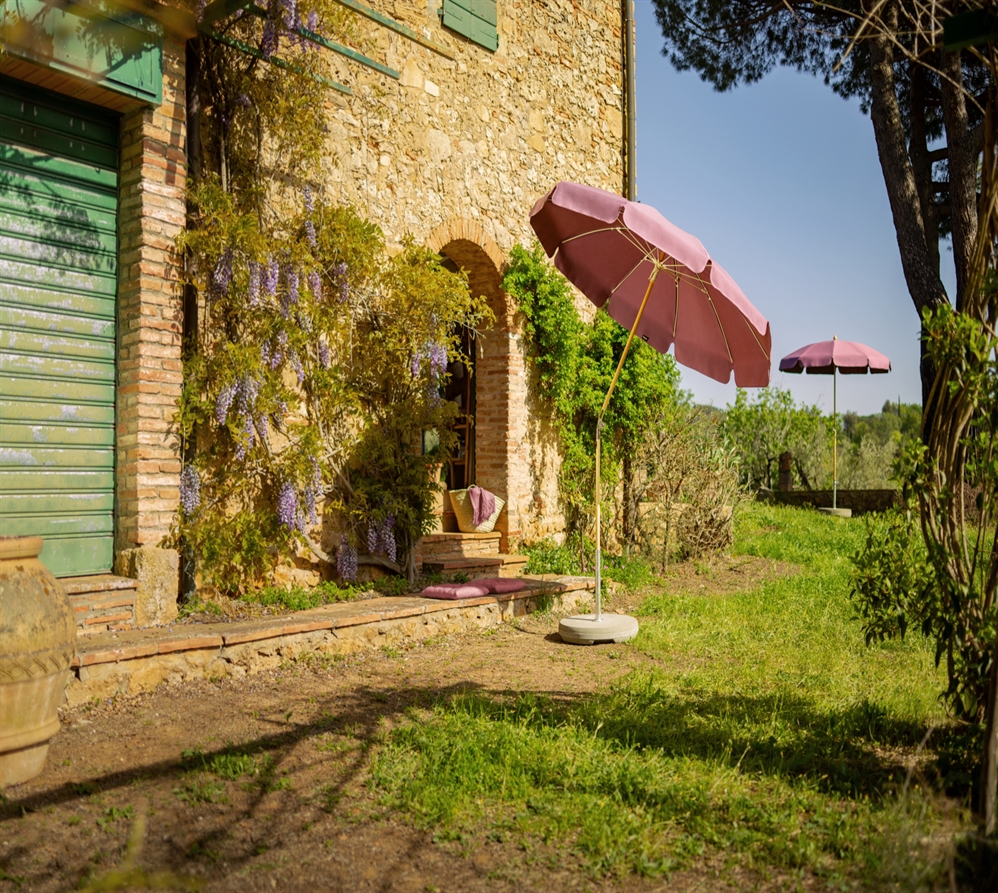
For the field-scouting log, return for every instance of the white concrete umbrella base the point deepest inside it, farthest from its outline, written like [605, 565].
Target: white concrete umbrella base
[583, 629]
[836, 513]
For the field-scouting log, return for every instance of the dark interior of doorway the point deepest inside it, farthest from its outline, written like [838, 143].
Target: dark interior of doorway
[461, 390]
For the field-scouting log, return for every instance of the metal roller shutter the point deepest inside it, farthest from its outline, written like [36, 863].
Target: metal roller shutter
[58, 282]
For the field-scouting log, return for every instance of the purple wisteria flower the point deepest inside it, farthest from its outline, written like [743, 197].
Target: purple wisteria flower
[310, 234]
[340, 271]
[273, 358]
[436, 353]
[271, 277]
[260, 423]
[190, 490]
[313, 20]
[271, 39]
[287, 506]
[323, 354]
[222, 276]
[381, 537]
[346, 561]
[295, 363]
[222, 403]
[303, 321]
[315, 284]
[243, 101]
[309, 199]
[438, 359]
[254, 283]
[247, 440]
[247, 389]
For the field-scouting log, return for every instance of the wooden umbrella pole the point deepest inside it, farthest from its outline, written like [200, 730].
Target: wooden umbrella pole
[599, 562]
[599, 439]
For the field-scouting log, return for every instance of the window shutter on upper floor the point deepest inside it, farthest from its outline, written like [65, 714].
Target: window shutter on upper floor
[475, 19]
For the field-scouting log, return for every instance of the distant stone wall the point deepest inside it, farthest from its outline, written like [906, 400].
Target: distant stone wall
[860, 501]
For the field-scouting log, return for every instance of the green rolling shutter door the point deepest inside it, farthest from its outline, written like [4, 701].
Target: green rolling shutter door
[58, 282]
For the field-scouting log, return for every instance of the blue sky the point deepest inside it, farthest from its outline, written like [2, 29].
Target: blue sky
[780, 181]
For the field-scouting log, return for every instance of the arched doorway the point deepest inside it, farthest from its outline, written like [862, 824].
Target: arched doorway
[487, 388]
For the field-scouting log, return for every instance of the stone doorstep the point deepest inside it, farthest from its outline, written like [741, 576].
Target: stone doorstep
[129, 645]
[433, 538]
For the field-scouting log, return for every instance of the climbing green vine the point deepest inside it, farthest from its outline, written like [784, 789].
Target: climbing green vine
[574, 362]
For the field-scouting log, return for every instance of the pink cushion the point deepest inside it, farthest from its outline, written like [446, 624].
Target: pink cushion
[498, 585]
[455, 590]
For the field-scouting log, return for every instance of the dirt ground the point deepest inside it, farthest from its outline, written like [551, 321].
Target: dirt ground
[128, 768]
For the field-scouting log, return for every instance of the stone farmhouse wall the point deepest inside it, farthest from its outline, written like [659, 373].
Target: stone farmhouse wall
[455, 153]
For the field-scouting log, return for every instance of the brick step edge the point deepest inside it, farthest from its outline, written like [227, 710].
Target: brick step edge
[81, 586]
[101, 603]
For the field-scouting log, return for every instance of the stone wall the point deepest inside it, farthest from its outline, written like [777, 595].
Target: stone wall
[860, 501]
[455, 153]
[480, 136]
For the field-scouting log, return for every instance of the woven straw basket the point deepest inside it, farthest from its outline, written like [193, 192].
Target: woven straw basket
[465, 513]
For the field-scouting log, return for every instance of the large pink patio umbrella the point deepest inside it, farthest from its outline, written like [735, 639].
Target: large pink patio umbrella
[830, 358]
[661, 284]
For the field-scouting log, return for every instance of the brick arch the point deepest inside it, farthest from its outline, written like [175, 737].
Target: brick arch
[498, 383]
[459, 229]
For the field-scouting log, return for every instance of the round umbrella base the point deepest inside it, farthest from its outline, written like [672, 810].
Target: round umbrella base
[836, 513]
[584, 630]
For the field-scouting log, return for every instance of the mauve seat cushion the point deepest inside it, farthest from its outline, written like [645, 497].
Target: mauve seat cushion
[455, 590]
[497, 585]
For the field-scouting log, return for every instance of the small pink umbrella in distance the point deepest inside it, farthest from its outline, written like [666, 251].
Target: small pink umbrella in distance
[830, 358]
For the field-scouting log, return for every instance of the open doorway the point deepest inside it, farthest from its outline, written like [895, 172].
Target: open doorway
[461, 390]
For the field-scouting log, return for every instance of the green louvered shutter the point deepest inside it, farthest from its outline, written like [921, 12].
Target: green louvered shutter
[475, 19]
[58, 281]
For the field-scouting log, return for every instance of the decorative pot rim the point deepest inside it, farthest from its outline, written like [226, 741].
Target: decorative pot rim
[12, 547]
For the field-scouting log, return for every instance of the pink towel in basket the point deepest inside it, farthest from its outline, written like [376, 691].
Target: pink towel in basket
[483, 502]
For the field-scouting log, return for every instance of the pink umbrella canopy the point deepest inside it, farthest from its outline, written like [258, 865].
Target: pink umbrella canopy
[826, 357]
[610, 249]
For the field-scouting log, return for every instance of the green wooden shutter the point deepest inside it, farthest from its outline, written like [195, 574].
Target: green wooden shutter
[58, 283]
[475, 19]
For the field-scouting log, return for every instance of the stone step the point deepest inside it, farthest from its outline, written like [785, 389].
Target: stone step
[101, 602]
[474, 568]
[437, 547]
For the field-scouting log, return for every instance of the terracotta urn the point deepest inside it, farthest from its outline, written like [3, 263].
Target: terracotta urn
[37, 643]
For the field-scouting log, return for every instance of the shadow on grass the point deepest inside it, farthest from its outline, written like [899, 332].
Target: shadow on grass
[851, 753]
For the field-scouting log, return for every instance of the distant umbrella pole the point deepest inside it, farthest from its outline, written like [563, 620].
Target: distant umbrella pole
[599, 440]
[835, 437]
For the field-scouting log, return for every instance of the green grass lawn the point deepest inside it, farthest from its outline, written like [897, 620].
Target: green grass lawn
[768, 736]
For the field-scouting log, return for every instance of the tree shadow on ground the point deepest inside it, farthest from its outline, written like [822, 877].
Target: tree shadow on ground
[856, 751]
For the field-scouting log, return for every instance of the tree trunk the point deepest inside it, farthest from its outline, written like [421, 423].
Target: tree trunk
[962, 174]
[628, 519]
[921, 162]
[989, 765]
[924, 285]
